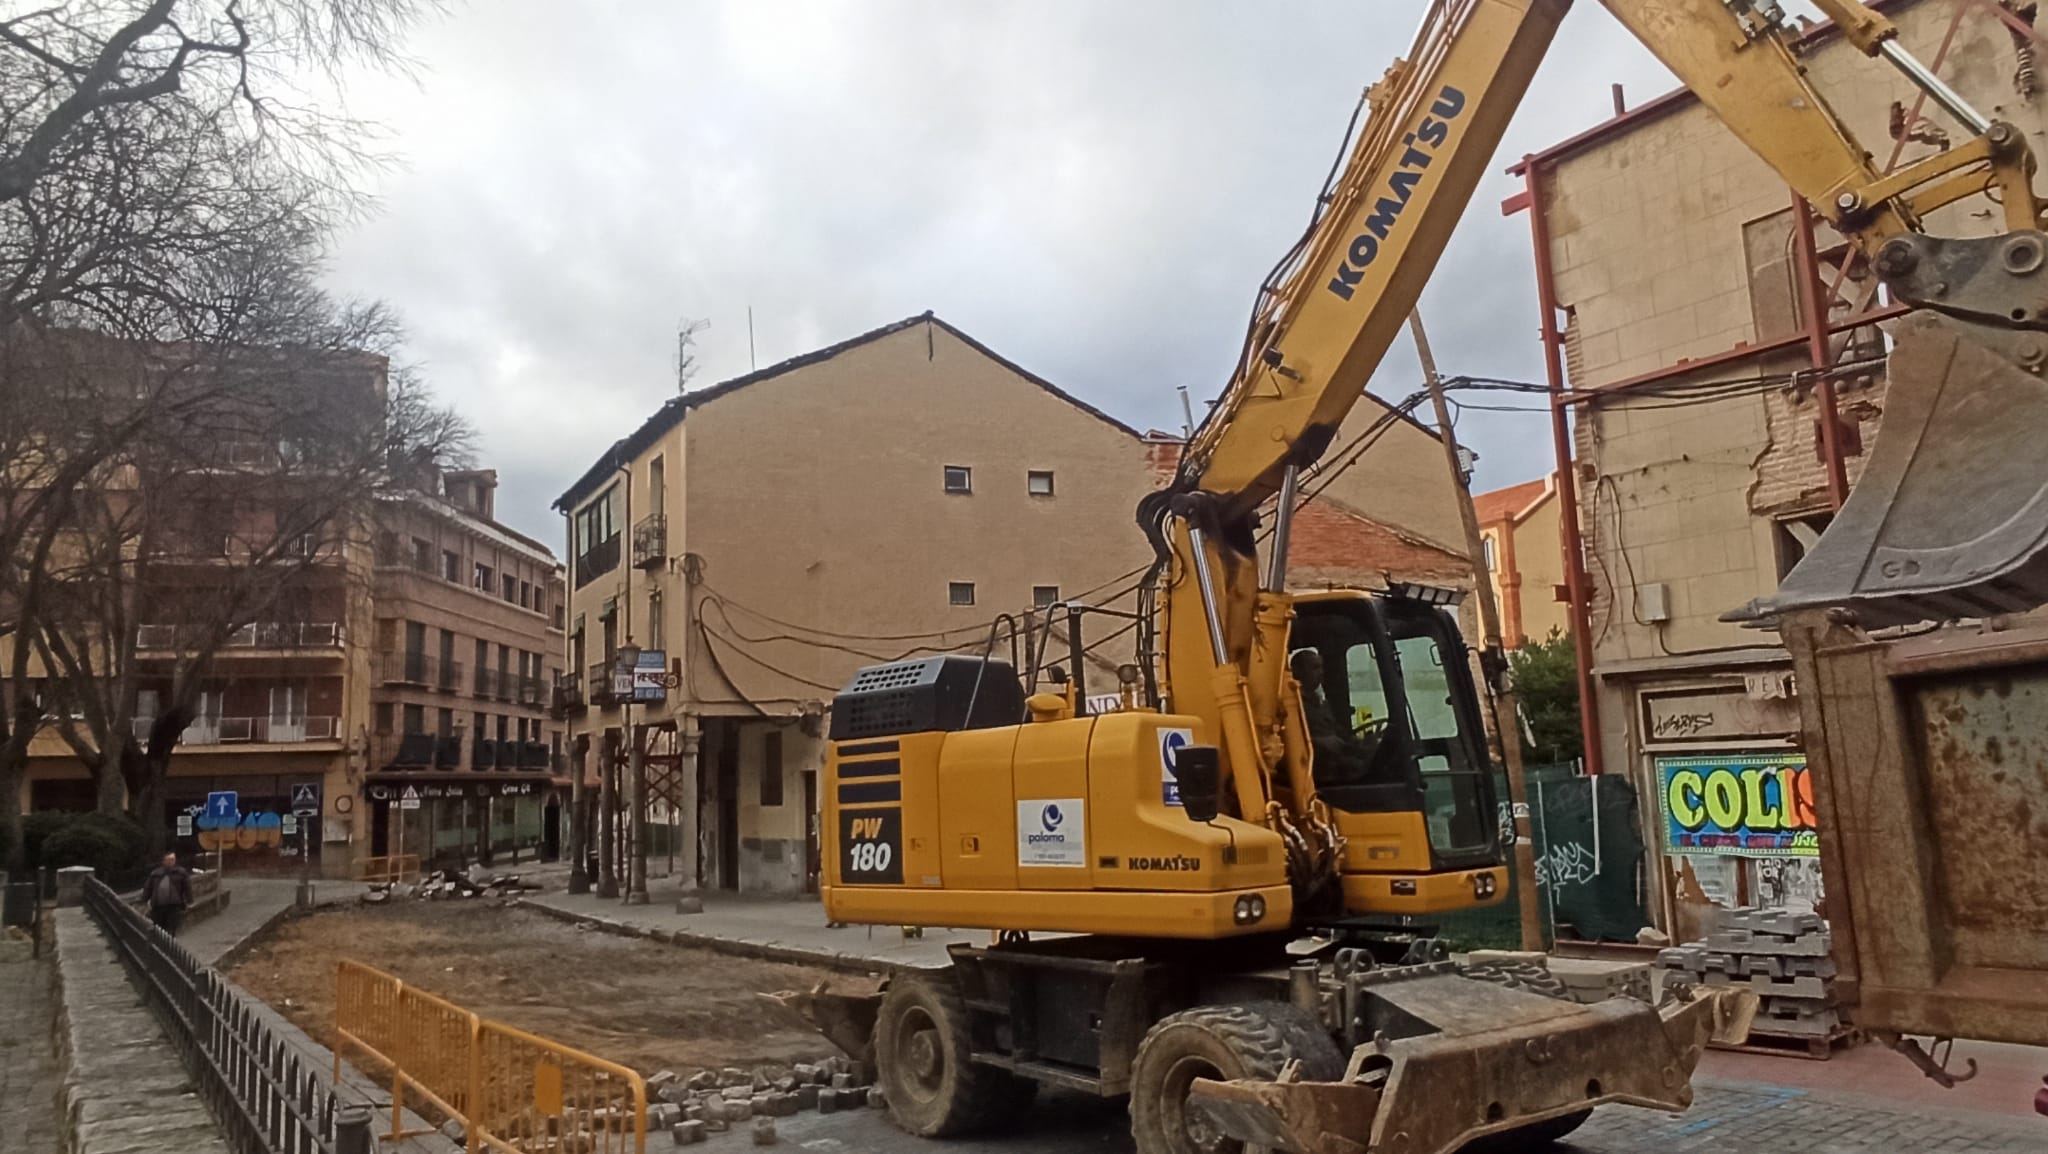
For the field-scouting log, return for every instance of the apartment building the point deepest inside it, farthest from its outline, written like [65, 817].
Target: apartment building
[761, 539]
[335, 725]
[1524, 559]
[467, 646]
[1680, 279]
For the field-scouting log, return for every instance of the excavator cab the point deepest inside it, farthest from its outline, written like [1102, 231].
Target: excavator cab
[1400, 755]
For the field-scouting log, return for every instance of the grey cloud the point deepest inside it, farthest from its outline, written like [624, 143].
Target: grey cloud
[1093, 190]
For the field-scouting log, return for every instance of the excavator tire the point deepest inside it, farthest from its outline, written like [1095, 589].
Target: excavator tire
[1223, 1043]
[1531, 977]
[921, 1059]
[1528, 1139]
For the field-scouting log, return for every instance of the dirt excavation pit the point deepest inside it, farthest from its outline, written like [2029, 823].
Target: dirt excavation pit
[641, 1003]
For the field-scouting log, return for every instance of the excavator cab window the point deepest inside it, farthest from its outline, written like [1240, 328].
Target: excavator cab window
[1393, 716]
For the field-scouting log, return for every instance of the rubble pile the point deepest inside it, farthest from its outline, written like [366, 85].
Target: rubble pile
[1782, 956]
[711, 1101]
[442, 885]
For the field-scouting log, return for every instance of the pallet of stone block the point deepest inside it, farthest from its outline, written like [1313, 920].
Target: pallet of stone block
[1745, 942]
[1796, 1017]
[1805, 989]
[1815, 1047]
[1591, 980]
[1779, 966]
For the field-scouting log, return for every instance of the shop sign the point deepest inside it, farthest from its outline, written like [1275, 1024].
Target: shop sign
[650, 676]
[1723, 714]
[1739, 805]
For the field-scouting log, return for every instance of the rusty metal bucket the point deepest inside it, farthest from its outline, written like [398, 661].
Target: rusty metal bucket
[1496, 1060]
[1950, 517]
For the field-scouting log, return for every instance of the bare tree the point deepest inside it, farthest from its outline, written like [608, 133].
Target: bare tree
[242, 521]
[168, 174]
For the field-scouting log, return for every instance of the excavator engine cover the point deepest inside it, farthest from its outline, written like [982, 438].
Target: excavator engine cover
[1950, 517]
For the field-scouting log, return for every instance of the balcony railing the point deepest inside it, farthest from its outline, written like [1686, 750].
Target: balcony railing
[408, 669]
[486, 681]
[601, 686]
[599, 560]
[650, 541]
[568, 694]
[533, 755]
[249, 730]
[449, 677]
[483, 753]
[257, 635]
[415, 751]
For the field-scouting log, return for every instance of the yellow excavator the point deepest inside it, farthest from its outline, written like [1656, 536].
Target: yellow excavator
[1214, 896]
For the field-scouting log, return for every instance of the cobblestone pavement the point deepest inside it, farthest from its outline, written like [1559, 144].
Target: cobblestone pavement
[1729, 1118]
[28, 1063]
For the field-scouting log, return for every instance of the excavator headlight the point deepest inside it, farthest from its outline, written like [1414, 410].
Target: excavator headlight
[1249, 909]
[1484, 884]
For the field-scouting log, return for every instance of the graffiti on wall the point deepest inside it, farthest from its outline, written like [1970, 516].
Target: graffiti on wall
[1741, 805]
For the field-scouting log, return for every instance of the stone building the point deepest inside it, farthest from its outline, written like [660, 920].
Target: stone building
[467, 645]
[1701, 478]
[761, 539]
[1519, 530]
[405, 648]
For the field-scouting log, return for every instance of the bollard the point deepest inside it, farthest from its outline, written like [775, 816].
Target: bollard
[71, 886]
[352, 1130]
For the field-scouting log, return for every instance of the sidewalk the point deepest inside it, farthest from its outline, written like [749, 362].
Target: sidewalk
[773, 928]
[254, 903]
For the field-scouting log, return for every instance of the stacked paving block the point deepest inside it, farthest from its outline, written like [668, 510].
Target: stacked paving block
[1782, 956]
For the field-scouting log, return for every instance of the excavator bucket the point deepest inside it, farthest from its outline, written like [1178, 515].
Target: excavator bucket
[1478, 1059]
[1950, 517]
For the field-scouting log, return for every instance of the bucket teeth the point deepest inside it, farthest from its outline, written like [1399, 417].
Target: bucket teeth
[1500, 1060]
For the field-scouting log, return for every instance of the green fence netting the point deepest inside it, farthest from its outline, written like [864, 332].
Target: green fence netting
[1589, 862]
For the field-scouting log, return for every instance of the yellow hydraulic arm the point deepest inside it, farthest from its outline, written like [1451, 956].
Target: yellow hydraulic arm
[1335, 305]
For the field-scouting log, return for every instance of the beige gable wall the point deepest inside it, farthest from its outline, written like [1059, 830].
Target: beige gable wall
[1661, 235]
[817, 497]
[1401, 480]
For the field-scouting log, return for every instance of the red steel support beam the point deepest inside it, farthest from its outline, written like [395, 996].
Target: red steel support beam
[1567, 481]
[1817, 310]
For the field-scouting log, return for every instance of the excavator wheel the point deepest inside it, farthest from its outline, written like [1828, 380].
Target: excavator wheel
[1528, 1139]
[1222, 1043]
[921, 1057]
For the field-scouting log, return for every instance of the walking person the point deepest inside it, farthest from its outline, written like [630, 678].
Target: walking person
[169, 891]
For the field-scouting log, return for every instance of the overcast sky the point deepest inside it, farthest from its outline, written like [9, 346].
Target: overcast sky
[1093, 190]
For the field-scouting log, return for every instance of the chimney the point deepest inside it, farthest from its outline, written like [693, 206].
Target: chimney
[475, 491]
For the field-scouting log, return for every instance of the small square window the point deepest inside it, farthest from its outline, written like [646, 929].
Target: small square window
[1039, 482]
[959, 479]
[1044, 595]
[960, 593]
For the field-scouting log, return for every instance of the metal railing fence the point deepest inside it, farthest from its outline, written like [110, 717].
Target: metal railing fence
[390, 868]
[426, 1044]
[513, 1092]
[267, 1098]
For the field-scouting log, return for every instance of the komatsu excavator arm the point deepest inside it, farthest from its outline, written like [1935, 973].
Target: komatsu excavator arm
[1901, 548]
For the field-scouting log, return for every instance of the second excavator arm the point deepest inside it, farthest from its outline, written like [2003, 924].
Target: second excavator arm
[1326, 317]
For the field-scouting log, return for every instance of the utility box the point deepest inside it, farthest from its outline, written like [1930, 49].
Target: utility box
[1930, 765]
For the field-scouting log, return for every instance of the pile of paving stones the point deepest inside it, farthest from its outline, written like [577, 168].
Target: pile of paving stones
[711, 1101]
[442, 885]
[1782, 956]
